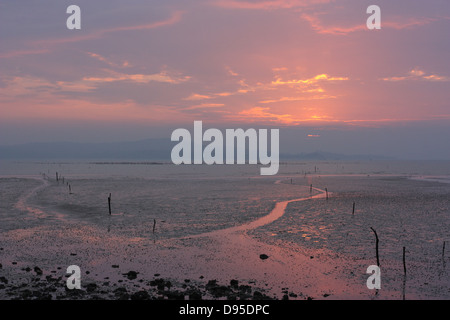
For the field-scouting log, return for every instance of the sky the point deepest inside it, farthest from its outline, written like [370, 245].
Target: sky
[139, 69]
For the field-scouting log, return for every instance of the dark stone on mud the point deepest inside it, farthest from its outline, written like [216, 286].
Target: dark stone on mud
[73, 254]
[174, 295]
[160, 284]
[131, 275]
[292, 295]
[220, 291]
[26, 294]
[91, 287]
[140, 295]
[245, 289]
[195, 295]
[211, 283]
[115, 266]
[263, 256]
[121, 293]
[14, 262]
[74, 293]
[325, 295]
[1, 266]
[4, 280]
[38, 271]
[285, 297]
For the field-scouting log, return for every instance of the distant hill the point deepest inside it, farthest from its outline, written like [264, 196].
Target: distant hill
[154, 149]
[145, 150]
[327, 156]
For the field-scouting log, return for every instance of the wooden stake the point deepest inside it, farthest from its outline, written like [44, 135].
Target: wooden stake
[376, 246]
[154, 225]
[404, 261]
[353, 211]
[326, 191]
[109, 203]
[443, 250]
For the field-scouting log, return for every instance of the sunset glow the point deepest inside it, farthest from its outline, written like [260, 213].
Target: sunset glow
[285, 63]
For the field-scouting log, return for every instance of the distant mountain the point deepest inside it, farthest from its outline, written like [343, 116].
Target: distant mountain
[150, 149]
[145, 150]
[327, 156]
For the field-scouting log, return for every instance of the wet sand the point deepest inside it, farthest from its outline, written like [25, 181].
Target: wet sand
[235, 262]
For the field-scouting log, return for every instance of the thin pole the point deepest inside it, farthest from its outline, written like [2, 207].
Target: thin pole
[109, 203]
[376, 246]
[404, 261]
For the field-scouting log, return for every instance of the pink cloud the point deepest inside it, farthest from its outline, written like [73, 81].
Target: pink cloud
[173, 19]
[317, 25]
[268, 5]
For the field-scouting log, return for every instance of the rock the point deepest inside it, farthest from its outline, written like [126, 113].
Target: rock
[263, 256]
[176, 295]
[245, 289]
[115, 266]
[140, 295]
[159, 283]
[211, 283]
[234, 284]
[26, 294]
[4, 280]
[195, 295]
[326, 295]
[91, 287]
[121, 293]
[38, 271]
[131, 275]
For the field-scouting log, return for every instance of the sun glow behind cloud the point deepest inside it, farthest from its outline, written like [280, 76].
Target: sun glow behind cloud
[283, 62]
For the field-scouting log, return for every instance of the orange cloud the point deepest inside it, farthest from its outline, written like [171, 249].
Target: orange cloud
[196, 96]
[163, 76]
[417, 74]
[313, 80]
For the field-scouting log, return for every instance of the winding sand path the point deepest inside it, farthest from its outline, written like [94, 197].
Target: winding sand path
[234, 254]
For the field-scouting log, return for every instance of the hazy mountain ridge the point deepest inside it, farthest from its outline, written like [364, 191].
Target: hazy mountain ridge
[149, 149]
